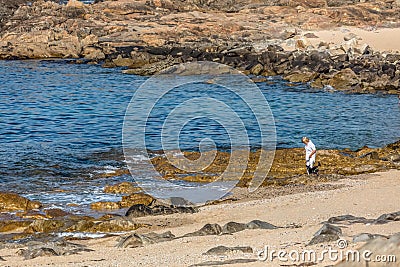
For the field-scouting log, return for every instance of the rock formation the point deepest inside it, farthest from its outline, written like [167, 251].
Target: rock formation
[147, 36]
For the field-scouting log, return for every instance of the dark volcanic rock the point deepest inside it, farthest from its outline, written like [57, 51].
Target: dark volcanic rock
[37, 252]
[106, 224]
[153, 68]
[208, 229]
[327, 233]
[230, 228]
[257, 224]
[179, 202]
[350, 219]
[389, 217]
[137, 240]
[347, 219]
[141, 210]
[57, 247]
[118, 224]
[323, 238]
[328, 229]
[394, 146]
[233, 227]
[143, 204]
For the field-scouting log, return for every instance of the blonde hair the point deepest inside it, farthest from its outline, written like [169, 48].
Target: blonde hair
[305, 139]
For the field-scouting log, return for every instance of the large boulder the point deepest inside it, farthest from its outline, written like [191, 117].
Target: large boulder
[48, 248]
[134, 199]
[121, 188]
[41, 44]
[344, 80]
[137, 240]
[140, 210]
[118, 224]
[47, 226]
[233, 227]
[13, 202]
[126, 201]
[388, 217]
[208, 229]
[300, 76]
[13, 225]
[326, 234]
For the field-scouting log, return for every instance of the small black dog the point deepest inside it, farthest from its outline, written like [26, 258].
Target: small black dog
[313, 170]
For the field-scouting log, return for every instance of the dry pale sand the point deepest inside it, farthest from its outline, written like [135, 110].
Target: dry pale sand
[382, 39]
[367, 195]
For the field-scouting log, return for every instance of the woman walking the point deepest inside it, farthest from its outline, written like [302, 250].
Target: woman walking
[311, 153]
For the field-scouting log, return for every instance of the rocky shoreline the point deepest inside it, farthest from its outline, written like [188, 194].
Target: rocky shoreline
[22, 218]
[260, 38]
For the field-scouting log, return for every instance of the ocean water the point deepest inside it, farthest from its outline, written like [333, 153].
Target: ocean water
[61, 125]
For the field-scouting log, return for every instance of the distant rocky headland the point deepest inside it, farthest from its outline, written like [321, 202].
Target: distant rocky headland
[258, 37]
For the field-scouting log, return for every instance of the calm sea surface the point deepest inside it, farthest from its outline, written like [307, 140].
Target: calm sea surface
[61, 125]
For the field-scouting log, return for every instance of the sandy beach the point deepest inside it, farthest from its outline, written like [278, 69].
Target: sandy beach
[300, 215]
[72, 79]
[379, 39]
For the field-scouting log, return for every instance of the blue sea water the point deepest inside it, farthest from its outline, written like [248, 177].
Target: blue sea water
[61, 124]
